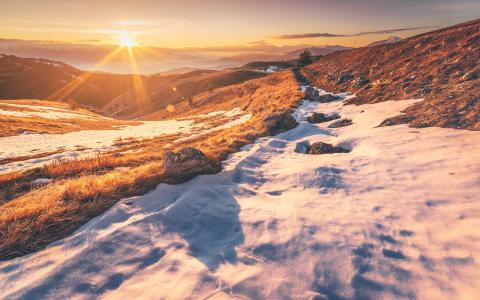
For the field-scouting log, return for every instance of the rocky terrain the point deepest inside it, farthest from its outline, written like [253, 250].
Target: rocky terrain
[440, 66]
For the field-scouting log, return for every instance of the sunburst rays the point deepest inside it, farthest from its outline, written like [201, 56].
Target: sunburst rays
[139, 90]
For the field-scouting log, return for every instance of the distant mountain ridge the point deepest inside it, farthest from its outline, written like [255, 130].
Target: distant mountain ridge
[112, 94]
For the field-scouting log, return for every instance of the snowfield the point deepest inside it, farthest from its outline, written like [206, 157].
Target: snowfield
[395, 218]
[90, 142]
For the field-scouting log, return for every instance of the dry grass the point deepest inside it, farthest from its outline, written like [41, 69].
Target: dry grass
[40, 216]
[441, 67]
[13, 125]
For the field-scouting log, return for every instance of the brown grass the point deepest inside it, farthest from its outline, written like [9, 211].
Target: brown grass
[12, 125]
[86, 188]
[441, 67]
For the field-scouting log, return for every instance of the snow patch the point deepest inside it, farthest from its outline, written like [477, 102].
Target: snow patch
[394, 218]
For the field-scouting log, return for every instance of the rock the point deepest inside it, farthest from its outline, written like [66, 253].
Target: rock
[341, 123]
[361, 82]
[325, 98]
[278, 123]
[324, 148]
[313, 95]
[320, 118]
[344, 78]
[186, 164]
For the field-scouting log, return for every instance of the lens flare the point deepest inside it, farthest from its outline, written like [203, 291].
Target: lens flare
[126, 40]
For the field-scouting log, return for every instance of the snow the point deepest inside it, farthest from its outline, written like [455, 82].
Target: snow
[40, 181]
[394, 218]
[272, 69]
[230, 113]
[91, 142]
[47, 112]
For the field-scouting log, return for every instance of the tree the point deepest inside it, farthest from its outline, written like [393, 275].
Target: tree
[305, 58]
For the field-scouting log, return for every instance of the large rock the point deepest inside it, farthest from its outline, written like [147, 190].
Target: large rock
[341, 123]
[313, 95]
[325, 98]
[186, 164]
[324, 148]
[320, 118]
[278, 123]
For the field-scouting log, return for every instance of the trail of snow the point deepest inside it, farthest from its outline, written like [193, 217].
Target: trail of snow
[90, 142]
[394, 218]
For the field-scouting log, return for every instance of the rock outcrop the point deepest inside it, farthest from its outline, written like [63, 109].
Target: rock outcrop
[324, 148]
[314, 95]
[186, 164]
[278, 123]
[321, 118]
[341, 123]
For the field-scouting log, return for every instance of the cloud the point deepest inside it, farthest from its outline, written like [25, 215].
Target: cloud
[306, 36]
[328, 35]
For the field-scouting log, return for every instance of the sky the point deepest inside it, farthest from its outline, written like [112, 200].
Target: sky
[207, 23]
[203, 24]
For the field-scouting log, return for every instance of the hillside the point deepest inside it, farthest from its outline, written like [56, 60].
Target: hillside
[112, 94]
[24, 117]
[440, 66]
[30, 78]
[167, 90]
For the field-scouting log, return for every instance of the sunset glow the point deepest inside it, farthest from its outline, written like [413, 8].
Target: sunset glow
[126, 40]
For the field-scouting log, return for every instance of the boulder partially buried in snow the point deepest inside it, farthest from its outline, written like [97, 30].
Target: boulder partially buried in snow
[186, 164]
[341, 123]
[320, 117]
[324, 148]
[325, 98]
[278, 123]
[313, 95]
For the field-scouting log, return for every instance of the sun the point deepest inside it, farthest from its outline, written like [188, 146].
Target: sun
[126, 40]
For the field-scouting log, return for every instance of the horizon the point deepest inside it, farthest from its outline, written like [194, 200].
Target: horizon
[219, 34]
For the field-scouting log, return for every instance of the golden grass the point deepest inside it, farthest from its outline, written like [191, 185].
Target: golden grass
[41, 216]
[13, 125]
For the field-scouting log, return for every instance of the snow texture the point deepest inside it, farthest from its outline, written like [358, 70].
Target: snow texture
[90, 142]
[395, 218]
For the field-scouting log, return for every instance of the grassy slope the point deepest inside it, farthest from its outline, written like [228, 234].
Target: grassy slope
[32, 218]
[165, 90]
[434, 66]
[13, 125]
[114, 94]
